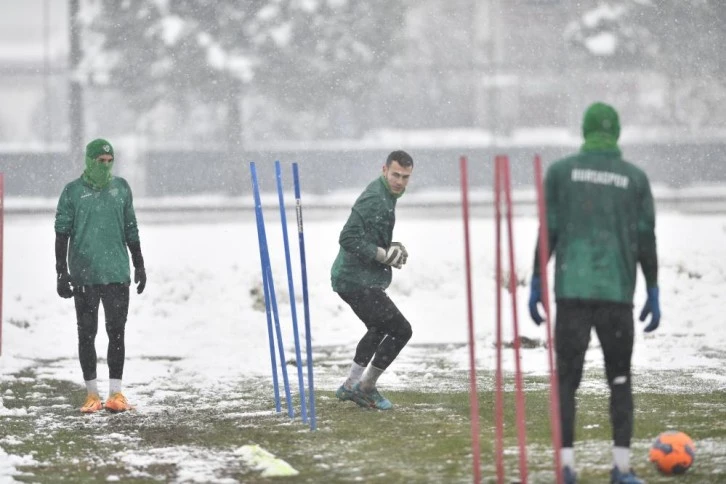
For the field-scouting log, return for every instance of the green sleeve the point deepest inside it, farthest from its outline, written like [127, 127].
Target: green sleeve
[647, 252]
[64, 213]
[550, 187]
[131, 228]
[353, 237]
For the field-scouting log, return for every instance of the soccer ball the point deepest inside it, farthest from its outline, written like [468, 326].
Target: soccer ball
[672, 453]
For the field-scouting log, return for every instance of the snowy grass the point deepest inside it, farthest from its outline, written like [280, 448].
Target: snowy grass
[196, 436]
[198, 364]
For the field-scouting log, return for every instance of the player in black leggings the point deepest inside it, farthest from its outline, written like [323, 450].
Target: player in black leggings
[361, 273]
[95, 225]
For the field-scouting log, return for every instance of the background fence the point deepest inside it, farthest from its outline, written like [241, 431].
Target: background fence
[179, 173]
[687, 177]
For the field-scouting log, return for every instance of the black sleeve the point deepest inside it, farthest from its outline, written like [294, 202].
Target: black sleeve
[136, 257]
[61, 252]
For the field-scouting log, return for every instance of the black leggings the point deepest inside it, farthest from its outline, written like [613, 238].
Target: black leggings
[388, 331]
[613, 325]
[115, 299]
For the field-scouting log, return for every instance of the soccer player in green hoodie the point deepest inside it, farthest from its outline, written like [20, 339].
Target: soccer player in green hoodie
[96, 217]
[360, 275]
[601, 222]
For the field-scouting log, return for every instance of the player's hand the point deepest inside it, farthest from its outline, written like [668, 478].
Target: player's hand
[404, 258]
[63, 285]
[140, 279]
[535, 297]
[652, 308]
[391, 257]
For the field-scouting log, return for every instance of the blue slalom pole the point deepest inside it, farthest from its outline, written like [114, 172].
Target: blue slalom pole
[269, 288]
[260, 222]
[291, 289]
[280, 346]
[306, 305]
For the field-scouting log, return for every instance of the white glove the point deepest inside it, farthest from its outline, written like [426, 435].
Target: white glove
[404, 258]
[395, 256]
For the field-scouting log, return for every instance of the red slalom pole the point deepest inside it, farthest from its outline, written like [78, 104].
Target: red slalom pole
[519, 387]
[544, 254]
[473, 395]
[498, 386]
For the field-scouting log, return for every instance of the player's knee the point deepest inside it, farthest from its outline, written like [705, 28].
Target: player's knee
[620, 380]
[405, 332]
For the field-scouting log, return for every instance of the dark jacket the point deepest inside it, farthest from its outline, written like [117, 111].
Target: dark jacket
[601, 222]
[369, 226]
[100, 224]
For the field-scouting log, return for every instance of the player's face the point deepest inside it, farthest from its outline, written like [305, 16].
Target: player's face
[397, 176]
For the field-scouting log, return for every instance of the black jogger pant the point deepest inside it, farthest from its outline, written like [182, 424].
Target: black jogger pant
[613, 325]
[115, 300]
[388, 331]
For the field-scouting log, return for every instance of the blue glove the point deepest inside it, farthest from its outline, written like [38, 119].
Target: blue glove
[535, 297]
[652, 307]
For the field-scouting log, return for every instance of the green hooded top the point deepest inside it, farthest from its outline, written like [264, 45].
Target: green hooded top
[369, 226]
[600, 216]
[100, 221]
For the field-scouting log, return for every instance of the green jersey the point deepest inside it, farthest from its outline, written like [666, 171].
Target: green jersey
[601, 222]
[100, 224]
[369, 226]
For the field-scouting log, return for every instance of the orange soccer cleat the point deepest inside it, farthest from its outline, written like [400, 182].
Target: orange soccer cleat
[92, 404]
[117, 403]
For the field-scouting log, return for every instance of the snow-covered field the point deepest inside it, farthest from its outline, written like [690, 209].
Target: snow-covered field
[196, 324]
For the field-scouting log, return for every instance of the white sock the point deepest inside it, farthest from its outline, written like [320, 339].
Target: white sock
[368, 382]
[92, 386]
[567, 457]
[621, 458]
[356, 371]
[114, 386]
